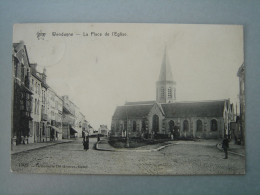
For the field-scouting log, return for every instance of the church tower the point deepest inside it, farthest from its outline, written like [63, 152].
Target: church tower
[165, 86]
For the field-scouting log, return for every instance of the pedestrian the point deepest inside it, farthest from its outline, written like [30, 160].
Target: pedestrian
[98, 138]
[84, 142]
[87, 142]
[225, 146]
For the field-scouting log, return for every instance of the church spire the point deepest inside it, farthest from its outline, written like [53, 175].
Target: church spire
[165, 86]
[166, 72]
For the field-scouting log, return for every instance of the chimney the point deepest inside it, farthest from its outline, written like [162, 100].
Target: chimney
[44, 75]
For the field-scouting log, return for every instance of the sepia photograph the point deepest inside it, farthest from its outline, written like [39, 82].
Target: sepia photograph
[128, 99]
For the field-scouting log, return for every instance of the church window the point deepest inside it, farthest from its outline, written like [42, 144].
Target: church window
[134, 126]
[213, 125]
[199, 125]
[125, 125]
[185, 125]
[117, 126]
[143, 125]
[162, 92]
[169, 92]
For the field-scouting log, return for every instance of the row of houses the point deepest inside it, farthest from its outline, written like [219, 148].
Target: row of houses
[39, 114]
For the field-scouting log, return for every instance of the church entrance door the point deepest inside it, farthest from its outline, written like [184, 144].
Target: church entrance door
[171, 126]
[155, 123]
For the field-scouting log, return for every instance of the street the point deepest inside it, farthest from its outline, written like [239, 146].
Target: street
[181, 158]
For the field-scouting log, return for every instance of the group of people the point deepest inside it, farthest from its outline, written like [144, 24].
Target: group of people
[86, 141]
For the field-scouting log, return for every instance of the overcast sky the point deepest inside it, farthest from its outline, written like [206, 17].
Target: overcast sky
[102, 72]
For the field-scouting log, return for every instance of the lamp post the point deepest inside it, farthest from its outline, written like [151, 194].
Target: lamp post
[127, 136]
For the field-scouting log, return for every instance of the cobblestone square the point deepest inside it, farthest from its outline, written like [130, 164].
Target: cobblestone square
[179, 158]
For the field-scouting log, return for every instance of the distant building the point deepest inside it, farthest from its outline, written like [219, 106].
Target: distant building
[204, 119]
[38, 125]
[55, 109]
[103, 130]
[22, 95]
[72, 119]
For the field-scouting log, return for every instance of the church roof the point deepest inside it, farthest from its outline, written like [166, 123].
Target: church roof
[140, 102]
[166, 72]
[172, 110]
[194, 109]
[132, 111]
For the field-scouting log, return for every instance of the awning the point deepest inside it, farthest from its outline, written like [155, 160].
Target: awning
[72, 130]
[56, 129]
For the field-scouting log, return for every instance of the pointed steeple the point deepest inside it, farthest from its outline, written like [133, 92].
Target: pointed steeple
[166, 72]
[165, 86]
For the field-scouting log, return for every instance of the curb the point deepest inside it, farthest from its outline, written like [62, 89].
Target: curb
[220, 149]
[41, 147]
[127, 150]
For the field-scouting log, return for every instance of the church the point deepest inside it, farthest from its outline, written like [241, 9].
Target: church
[200, 119]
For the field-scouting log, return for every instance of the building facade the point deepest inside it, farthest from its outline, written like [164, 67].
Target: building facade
[103, 130]
[55, 108]
[68, 118]
[242, 101]
[163, 117]
[22, 95]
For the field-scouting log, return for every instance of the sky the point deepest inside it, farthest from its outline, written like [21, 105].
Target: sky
[100, 71]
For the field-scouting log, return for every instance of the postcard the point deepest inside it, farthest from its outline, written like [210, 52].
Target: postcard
[128, 99]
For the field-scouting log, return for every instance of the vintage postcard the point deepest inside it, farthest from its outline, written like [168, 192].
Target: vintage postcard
[128, 99]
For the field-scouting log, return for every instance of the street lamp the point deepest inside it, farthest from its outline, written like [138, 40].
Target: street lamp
[127, 136]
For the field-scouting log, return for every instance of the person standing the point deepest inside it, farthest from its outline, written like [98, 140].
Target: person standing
[225, 146]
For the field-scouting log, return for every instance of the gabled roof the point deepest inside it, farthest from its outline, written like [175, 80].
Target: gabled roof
[194, 109]
[132, 111]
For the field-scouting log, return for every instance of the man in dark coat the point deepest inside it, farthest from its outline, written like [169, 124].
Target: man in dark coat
[225, 146]
[86, 142]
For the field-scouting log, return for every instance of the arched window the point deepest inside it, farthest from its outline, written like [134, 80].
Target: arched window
[117, 126]
[185, 125]
[162, 92]
[169, 92]
[134, 126]
[125, 125]
[199, 125]
[213, 125]
[143, 125]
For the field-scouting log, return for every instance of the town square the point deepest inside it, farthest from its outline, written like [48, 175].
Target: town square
[102, 105]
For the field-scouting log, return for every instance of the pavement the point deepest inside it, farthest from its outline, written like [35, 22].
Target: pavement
[33, 146]
[103, 145]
